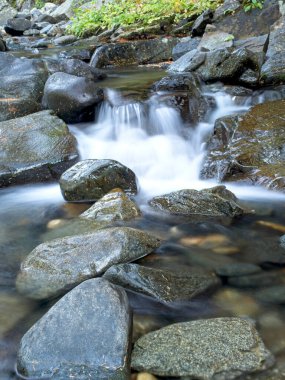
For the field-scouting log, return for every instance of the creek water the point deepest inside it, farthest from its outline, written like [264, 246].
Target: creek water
[137, 128]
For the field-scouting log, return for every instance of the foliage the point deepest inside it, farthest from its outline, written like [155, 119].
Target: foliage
[138, 13]
[39, 3]
[248, 5]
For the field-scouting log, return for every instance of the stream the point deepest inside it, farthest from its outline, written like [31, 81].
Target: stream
[135, 127]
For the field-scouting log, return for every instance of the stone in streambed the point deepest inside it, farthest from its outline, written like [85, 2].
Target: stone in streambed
[54, 267]
[220, 348]
[85, 335]
[17, 26]
[272, 294]
[237, 269]
[166, 286]
[89, 180]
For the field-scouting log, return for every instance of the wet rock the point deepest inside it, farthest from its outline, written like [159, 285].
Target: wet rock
[214, 39]
[185, 45]
[238, 269]
[166, 286]
[72, 98]
[89, 180]
[35, 148]
[55, 267]
[272, 294]
[201, 22]
[214, 202]
[258, 280]
[188, 62]
[256, 47]
[273, 70]
[32, 32]
[133, 53]
[115, 205]
[143, 324]
[17, 26]
[84, 335]
[221, 348]
[249, 78]
[65, 40]
[6, 12]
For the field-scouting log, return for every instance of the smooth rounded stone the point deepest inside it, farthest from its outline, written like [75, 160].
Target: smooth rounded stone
[85, 335]
[258, 280]
[164, 285]
[219, 348]
[214, 202]
[65, 40]
[115, 205]
[145, 376]
[185, 45]
[238, 269]
[35, 148]
[89, 180]
[272, 294]
[54, 267]
[72, 98]
[31, 32]
[17, 26]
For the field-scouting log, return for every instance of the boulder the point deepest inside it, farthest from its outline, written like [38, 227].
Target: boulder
[256, 47]
[185, 45]
[89, 180]
[2, 45]
[6, 12]
[67, 8]
[65, 40]
[71, 97]
[219, 348]
[115, 205]
[133, 53]
[201, 22]
[214, 39]
[85, 335]
[54, 267]
[228, 7]
[17, 26]
[164, 285]
[188, 62]
[35, 148]
[207, 203]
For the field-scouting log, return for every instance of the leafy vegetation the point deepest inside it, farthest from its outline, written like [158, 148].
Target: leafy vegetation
[138, 13]
[248, 5]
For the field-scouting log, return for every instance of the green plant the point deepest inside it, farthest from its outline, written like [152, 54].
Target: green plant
[39, 3]
[248, 5]
[231, 37]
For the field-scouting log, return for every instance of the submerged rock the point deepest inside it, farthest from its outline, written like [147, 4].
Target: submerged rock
[55, 267]
[85, 335]
[35, 148]
[89, 180]
[221, 348]
[163, 285]
[214, 202]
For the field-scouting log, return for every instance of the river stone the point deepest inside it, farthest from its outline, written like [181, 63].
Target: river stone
[258, 280]
[218, 349]
[214, 39]
[185, 45]
[133, 53]
[17, 26]
[35, 148]
[166, 286]
[237, 269]
[85, 335]
[214, 202]
[6, 12]
[188, 62]
[71, 97]
[272, 294]
[228, 7]
[89, 180]
[54, 267]
[115, 205]
[256, 47]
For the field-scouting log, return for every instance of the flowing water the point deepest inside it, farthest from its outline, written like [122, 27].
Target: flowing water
[137, 128]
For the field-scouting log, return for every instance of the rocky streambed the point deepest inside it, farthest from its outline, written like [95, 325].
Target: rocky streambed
[123, 256]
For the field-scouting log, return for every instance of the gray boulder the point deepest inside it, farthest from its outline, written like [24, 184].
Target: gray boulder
[218, 349]
[35, 148]
[188, 62]
[164, 285]
[6, 12]
[89, 180]
[185, 45]
[67, 8]
[85, 335]
[17, 26]
[201, 22]
[256, 47]
[214, 202]
[54, 267]
[214, 39]
[71, 97]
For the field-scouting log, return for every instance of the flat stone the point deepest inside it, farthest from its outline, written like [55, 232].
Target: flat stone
[54, 267]
[185, 45]
[220, 348]
[215, 39]
[85, 335]
[188, 62]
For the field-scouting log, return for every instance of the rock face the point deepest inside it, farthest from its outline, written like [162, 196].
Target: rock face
[84, 335]
[163, 285]
[72, 98]
[34, 148]
[89, 180]
[115, 205]
[220, 348]
[131, 53]
[54, 267]
[17, 26]
[250, 148]
[214, 202]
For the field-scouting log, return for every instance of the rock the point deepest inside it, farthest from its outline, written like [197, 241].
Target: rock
[229, 7]
[207, 203]
[65, 40]
[258, 280]
[249, 78]
[32, 32]
[273, 70]
[89, 180]
[272, 294]
[252, 150]
[17, 26]
[84, 335]
[47, 18]
[185, 45]
[256, 47]
[166, 286]
[115, 205]
[133, 53]
[2, 45]
[220, 348]
[238, 269]
[72, 98]
[67, 8]
[35, 148]
[188, 62]
[6, 12]
[247, 24]
[214, 39]
[54, 267]
[201, 22]
[21, 87]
